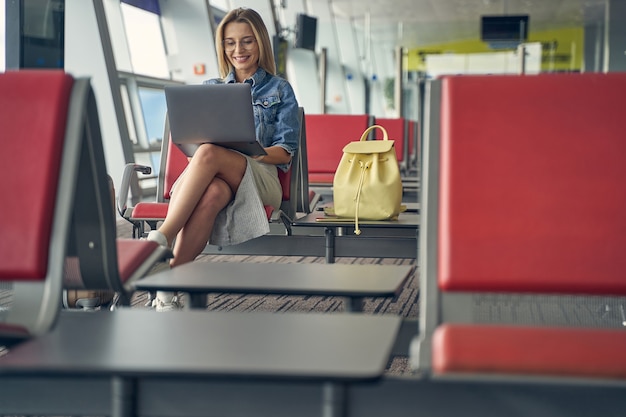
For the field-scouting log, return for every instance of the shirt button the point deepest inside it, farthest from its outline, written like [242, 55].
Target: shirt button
[265, 103]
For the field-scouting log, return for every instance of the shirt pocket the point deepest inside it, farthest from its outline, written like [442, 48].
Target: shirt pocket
[265, 110]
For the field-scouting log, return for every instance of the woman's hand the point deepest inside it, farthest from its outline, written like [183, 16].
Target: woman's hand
[275, 155]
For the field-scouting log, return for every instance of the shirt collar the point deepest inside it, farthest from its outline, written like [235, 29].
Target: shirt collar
[257, 77]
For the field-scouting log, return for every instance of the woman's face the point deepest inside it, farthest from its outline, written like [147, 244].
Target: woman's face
[241, 48]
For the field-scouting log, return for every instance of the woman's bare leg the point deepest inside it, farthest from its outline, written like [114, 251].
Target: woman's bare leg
[209, 162]
[193, 237]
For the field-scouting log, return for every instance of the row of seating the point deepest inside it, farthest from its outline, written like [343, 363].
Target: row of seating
[295, 191]
[309, 180]
[522, 234]
[522, 204]
[323, 137]
[62, 362]
[314, 165]
[328, 133]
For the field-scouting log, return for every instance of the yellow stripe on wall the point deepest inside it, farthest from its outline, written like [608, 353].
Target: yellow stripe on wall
[562, 50]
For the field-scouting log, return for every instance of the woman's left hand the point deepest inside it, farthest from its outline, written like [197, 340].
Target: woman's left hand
[275, 155]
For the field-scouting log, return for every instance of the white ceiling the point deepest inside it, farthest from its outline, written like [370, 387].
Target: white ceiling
[411, 23]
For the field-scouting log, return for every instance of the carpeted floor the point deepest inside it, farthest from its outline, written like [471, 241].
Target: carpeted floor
[404, 305]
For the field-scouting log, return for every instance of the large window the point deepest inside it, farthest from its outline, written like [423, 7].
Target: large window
[145, 42]
[142, 88]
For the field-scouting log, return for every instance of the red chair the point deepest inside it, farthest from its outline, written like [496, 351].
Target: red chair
[398, 131]
[523, 230]
[54, 233]
[327, 134]
[174, 162]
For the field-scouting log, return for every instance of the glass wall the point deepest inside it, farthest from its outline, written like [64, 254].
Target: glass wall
[142, 90]
[145, 42]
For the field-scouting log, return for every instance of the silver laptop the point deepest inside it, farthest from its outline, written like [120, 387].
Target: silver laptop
[212, 113]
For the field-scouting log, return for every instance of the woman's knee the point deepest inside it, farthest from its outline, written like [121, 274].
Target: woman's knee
[208, 153]
[217, 195]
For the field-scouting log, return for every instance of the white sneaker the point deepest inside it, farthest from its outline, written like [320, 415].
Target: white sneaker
[158, 237]
[166, 301]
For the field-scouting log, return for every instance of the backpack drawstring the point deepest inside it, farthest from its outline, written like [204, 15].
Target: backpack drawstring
[357, 198]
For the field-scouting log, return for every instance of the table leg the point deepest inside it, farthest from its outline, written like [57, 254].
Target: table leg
[354, 304]
[334, 400]
[329, 232]
[123, 397]
[197, 300]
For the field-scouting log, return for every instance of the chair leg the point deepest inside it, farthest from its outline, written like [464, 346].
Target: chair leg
[287, 224]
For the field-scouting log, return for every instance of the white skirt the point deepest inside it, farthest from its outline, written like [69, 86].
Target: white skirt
[244, 218]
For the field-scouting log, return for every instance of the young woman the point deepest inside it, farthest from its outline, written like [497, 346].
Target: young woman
[220, 196]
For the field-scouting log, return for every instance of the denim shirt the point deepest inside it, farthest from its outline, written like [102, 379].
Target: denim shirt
[275, 110]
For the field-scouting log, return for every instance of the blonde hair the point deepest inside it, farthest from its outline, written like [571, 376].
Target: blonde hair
[252, 18]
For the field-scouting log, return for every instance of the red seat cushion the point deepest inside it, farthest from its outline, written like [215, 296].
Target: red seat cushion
[131, 254]
[529, 350]
[158, 211]
[149, 211]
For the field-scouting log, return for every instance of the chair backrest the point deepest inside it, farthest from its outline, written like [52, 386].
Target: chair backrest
[37, 166]
[523, 192]
[327, 134]
[541, 181]
[303, 194]
[290, 180]
[58, 228]
[96, 258]
[96, 266]
[173, 163]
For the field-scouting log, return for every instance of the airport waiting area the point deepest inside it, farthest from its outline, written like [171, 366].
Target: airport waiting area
[419, 213]
[511, 304]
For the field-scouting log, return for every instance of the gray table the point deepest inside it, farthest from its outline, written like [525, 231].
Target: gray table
[133, 362]
[343, 280]
[312, 237]
[385, 238]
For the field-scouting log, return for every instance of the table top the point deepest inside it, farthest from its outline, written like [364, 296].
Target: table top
[407, 219]
[411, 207]
[351, 280]
[138, 342]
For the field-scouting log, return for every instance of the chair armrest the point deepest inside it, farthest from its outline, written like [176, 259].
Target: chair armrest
[129, 170]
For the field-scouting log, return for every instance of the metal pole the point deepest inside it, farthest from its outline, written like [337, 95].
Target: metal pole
[398, 85]
[322, 71]
[521, 51]
[13, 40]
